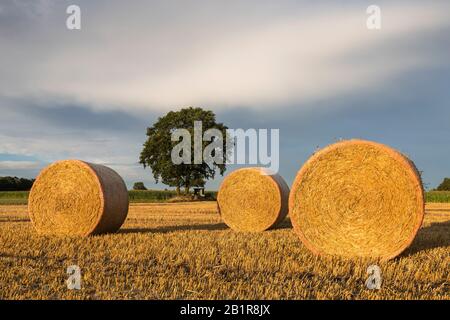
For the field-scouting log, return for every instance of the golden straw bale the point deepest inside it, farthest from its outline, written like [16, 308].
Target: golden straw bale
[252, 200]
[77, 198]
[357, 199]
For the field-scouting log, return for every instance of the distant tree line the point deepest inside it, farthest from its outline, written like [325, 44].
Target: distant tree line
[15, 184]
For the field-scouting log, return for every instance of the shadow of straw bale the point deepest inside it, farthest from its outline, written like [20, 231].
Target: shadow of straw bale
[14, 220]
[285, 224]
[437, 235]
[194, 227]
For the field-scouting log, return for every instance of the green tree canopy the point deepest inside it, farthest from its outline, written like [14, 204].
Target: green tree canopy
[445, 185]
[157, 150]
[139, 186]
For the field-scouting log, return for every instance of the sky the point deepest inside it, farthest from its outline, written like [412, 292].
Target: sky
[313, 70]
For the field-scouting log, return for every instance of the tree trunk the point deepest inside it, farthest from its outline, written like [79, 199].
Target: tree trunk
[186, 185]
[178, 190]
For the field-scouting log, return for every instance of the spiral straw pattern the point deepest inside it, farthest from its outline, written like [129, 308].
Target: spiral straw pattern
[77, 198]
[252, 200]
[357, 198]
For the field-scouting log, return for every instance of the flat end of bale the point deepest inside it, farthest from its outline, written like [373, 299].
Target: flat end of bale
[250, 200]
[357, 198]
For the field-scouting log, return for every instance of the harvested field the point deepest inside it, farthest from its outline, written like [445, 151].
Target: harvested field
[184, 251]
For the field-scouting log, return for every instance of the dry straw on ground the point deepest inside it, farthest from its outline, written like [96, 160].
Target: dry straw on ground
[77, 198]
[357, 199]
[251, 200]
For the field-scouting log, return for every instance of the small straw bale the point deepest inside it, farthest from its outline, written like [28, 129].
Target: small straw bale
[77, 198]
[253, 200]
[357, 198]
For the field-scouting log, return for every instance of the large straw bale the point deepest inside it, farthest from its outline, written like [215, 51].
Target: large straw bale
[77, 198]
[357, 199]
[253, 200]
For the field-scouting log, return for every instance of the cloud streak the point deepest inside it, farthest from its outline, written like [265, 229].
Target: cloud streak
[19, 165]
[287, 59]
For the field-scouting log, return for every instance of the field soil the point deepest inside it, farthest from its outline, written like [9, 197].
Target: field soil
[184, 251]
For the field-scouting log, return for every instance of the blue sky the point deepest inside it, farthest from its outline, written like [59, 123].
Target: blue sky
[314, 71]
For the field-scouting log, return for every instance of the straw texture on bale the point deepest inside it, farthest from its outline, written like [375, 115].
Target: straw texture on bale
[357, 199]
[252, 200]
[76, 198]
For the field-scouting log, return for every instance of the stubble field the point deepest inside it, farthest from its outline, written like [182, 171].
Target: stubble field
[184, 251]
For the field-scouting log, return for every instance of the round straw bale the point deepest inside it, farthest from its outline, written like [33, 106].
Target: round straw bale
[253, 200]
[77, 198]
[357, 199]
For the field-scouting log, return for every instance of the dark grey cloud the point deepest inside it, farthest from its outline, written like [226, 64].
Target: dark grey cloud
[79, 117]
[409, 113]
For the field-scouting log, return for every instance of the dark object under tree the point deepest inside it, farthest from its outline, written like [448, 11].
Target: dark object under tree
[139, 186]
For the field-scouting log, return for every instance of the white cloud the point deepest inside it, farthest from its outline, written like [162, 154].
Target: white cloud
[283, 60]
[19, 165]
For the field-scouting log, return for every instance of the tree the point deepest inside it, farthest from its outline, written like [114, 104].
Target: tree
[445, 185]
[139, 186]
[15, 184]
[157, 150]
